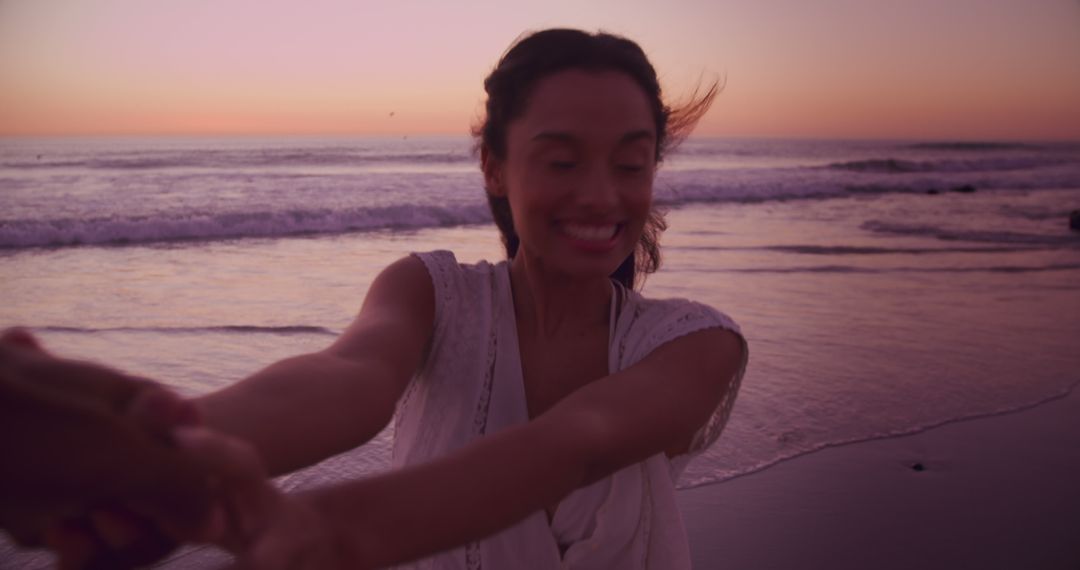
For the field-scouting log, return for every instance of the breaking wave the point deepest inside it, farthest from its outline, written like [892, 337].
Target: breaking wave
[167, 227]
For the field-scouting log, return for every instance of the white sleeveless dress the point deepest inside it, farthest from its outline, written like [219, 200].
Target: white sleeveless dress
[471, 385]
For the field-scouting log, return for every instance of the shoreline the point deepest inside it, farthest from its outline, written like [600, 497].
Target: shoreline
[998, 491]
[1065, 393]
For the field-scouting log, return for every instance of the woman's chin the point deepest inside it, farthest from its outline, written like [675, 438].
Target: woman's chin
[593, 264]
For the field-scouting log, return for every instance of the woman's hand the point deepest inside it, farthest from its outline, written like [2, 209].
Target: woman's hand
[90, 469]
[265, 528]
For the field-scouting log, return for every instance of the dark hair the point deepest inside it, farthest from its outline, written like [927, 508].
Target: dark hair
[541, 54]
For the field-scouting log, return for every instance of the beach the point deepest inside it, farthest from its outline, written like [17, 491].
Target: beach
[994, 493]
[991, 493]
[894, 317]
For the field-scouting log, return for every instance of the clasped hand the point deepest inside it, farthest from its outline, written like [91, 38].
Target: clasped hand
[112, 471]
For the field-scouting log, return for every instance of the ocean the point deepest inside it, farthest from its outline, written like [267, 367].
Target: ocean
[884, 287]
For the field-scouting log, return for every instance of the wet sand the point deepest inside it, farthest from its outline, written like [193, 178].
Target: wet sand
[994, 492]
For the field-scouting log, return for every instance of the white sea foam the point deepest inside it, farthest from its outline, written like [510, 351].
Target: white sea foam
[182, 226]
[132, 191]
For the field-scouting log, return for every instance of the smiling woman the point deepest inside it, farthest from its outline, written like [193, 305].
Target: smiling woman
[577, 175]
[603, 82]
[608, 394]
[544, 408]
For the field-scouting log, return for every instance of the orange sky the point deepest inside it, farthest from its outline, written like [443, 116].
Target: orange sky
[971, 69]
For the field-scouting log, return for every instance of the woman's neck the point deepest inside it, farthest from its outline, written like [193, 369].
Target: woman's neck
[549, 303]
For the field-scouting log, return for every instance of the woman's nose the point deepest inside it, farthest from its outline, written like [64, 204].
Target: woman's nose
[599, 190]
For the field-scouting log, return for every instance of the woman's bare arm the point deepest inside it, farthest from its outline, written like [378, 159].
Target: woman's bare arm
[608, 424]
[301, 410]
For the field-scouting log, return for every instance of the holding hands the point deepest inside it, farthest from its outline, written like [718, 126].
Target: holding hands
[112, 471]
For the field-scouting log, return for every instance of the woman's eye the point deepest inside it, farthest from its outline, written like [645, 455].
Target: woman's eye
[562, 164]
[631, 168]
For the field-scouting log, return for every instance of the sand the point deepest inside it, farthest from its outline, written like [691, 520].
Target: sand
[994, 492]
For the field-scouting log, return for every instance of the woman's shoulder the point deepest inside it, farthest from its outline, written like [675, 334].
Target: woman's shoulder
[442, 263]
[649, 312]
[449, 274]
[461, 288]
[648, 323]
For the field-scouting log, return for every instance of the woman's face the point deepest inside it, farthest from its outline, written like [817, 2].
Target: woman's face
[579, 171]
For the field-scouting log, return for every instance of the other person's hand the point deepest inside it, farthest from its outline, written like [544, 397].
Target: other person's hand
[91, 470]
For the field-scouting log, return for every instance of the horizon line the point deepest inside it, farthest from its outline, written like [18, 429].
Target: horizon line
[385, 135]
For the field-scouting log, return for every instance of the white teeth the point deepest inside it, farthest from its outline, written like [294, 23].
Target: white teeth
[590, 232]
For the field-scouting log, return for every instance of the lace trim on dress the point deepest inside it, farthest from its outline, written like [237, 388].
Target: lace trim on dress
[484, 400]
[710, 432]
[646, 516]
[438, 264]
[473, 559]
[623, 340]
[697, 317]
[444, 264]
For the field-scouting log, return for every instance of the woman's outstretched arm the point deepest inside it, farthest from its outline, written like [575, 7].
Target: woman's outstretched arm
[304, 409]
[294, 413]
[654, 406]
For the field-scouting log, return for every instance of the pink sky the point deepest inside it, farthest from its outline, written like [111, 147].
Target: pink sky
[972, 69]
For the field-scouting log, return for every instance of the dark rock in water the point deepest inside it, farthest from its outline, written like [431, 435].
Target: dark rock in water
[918, 467]
[965, 189]
[933, 191]
[1074, 220]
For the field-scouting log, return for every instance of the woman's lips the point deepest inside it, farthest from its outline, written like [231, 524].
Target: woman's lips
[590, 232]
[596, 238]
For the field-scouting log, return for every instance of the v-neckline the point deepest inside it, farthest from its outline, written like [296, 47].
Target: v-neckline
[615, 308]
[509, 404]
[616, 304]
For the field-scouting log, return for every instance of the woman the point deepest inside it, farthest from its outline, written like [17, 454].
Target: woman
[544, 409]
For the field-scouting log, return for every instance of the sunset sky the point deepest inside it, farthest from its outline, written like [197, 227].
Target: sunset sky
[929, 69]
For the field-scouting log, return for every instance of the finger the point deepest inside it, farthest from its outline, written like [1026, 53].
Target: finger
[180, 503]
[126, 540]
[242, 563]
[117, 529]
[21, 337]
[159, 410]
[298, 537]
[270, 554]
[73, 544]
[74, 380]
[292, 549]
[214, 527]
[273, 555]
[230, 459]
[87, 382]
[248, 498]
[211, 528]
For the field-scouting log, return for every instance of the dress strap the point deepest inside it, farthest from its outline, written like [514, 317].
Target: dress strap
[618, 300]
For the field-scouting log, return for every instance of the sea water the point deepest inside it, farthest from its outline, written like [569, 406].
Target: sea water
[884, 287]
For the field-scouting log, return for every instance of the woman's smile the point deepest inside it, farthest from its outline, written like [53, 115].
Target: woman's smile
[591, 237]
[590, 232]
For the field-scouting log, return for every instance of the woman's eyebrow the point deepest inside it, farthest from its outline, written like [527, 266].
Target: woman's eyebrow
[562, 136]
[638, 135]
[557, 136]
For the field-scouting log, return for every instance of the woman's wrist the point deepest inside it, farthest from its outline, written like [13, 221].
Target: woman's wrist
[342, 535]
